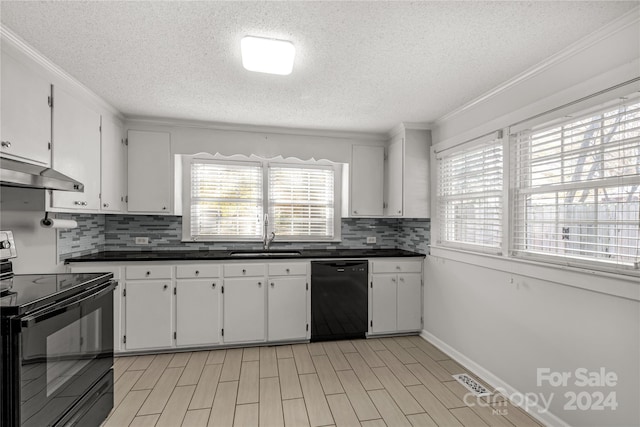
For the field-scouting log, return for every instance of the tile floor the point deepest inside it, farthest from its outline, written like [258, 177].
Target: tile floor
[403, 381]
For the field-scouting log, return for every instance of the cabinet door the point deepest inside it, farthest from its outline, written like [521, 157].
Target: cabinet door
[149, 172]
[409, 302]
[367, 176]
[394, 174]
[287, 308]
[148, 314]
[197, 312]
[76, 151]
[244, 305]
[26, 115]
[113, 171]
[384, 303]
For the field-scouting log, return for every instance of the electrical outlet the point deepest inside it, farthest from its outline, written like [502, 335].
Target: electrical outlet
[371, 239]
[142, 240]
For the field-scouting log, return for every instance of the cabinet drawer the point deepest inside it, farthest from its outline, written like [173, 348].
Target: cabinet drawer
[244, 270]
[148, 272]
[288, 269]
[197, 270]
[396, 266]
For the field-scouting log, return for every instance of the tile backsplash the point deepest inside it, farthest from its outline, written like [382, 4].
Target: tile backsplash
[88, 237]
[118, 232]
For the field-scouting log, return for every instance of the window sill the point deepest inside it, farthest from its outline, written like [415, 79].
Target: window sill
[625, 284]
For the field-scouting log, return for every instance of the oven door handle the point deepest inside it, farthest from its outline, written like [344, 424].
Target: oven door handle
[47, 312]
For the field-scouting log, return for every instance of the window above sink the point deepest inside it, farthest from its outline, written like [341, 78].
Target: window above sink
[240, 198]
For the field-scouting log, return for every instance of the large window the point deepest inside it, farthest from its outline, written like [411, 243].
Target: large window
[470, 195]
[577, 187]
[235, 200]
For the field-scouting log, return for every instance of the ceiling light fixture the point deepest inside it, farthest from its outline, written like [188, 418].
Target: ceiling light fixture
[267, 55]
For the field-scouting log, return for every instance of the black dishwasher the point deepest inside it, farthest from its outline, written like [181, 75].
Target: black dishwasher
[339, 302]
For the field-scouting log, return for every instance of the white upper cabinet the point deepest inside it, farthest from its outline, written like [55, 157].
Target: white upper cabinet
[407, 174]
[26, 115]
[367, 177]
[149, 172]
[113, 168]
[394, 172]
[76, 151]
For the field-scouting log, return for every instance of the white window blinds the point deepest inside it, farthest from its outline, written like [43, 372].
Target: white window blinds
[469, 197]
[226, 199]
[576, 187]
[301, 202]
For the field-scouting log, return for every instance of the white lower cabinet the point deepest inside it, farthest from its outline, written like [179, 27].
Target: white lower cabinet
[396, 296]
[148, 314]
[409, 301]
[384, 303]
[288, 304]
[197, 312]
[244, 309]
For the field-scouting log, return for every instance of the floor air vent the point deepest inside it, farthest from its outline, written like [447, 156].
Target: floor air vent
[474, 386]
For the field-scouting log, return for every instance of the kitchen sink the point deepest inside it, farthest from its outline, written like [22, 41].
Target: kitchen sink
[249, 254]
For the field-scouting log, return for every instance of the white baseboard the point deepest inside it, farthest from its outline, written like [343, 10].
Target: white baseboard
[546, 417]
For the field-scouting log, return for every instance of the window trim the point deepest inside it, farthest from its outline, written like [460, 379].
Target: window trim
[187, 160]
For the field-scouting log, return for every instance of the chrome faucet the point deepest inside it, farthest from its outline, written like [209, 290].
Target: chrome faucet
[266, 242]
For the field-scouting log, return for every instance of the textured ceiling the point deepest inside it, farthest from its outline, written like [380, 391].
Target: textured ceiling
[362, 66]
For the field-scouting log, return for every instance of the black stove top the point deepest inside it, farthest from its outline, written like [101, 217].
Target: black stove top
[26, 292]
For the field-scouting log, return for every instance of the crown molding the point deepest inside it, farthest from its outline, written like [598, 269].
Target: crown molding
[630, 18]
[402, 126]
[13, 40]
[242, 127]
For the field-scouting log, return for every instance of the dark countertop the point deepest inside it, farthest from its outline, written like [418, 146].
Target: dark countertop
[218, 255]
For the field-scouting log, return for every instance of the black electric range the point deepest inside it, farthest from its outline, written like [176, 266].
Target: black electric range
[57, 349]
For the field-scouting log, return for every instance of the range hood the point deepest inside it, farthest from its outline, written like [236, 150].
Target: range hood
[20, 174]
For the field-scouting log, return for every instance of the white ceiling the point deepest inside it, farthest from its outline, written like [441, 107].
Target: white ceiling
[361, 66]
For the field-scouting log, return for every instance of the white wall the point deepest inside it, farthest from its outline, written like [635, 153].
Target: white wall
[507, 330]
[21, 211]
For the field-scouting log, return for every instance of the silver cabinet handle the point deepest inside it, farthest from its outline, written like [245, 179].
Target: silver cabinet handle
[402, 279]
[393, 280]
[6, 144]
[164, 208]
[287, 270]
[272, 284]
[148, 273]
[355, 212]
[213, 285]
[244, 271]
[105, 205]
[397, 267]
[165, 287]
[259, 283]
[197, 272]
[399, 212]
